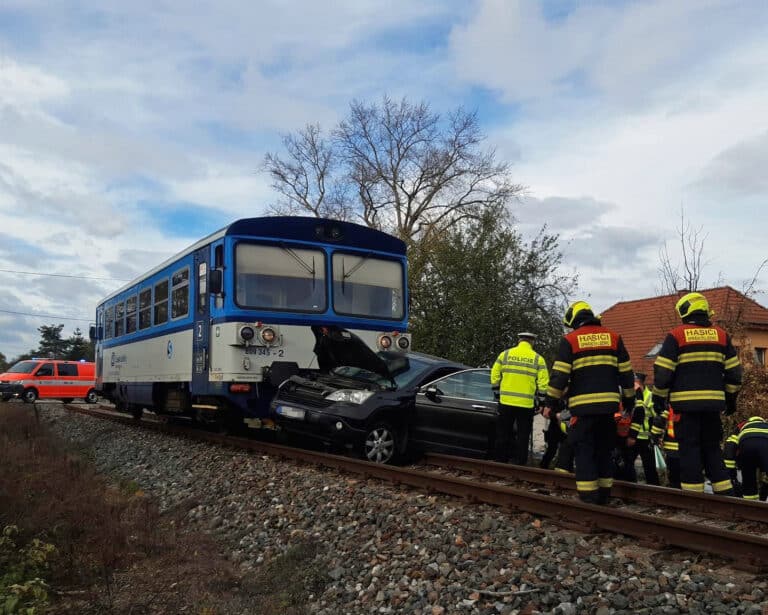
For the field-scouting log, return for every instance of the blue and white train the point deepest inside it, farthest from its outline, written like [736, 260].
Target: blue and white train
[211, 332]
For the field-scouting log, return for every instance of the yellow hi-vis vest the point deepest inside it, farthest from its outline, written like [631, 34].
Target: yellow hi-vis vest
[518, 373]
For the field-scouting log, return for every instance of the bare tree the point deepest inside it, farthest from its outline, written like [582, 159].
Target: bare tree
[306, 178]
[685, 275]
[394, 166]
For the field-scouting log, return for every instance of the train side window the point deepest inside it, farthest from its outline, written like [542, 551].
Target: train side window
[120, 319]
[218, 257]
[202, 286]
[161, 302]
[130, 314]
[180, 293]
[109, 322]
[145, 308]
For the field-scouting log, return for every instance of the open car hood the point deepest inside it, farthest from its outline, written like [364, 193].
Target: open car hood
[337, 347]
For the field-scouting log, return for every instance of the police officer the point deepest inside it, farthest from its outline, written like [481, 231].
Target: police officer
[749, 448]
[594, 364]
[698, 371]
[518, 373]
[639, 441]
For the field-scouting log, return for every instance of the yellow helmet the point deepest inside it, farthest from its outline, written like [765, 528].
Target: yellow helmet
[573, 310]
[692, 302]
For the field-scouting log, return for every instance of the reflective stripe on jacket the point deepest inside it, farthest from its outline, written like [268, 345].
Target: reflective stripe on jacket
[696, 368]
[517, 374]
[753, 427]
[642, 415]
[594, 364]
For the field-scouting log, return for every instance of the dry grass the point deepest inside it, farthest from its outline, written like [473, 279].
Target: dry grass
[116, 553]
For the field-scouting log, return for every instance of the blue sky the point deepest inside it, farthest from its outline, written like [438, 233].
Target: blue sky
[128, 130]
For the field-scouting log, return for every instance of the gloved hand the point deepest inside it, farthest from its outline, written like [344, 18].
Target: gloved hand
[496, 394]
[565, 415]
[730, 405]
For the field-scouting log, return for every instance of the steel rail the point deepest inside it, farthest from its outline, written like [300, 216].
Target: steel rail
[746, 551]
[704, 504]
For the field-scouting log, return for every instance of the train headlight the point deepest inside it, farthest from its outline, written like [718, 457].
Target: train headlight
[403, 343]
[385, 341]
[268, 335]
[247, 333]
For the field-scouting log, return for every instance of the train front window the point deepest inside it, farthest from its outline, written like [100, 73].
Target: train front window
[367, 286]
[280, 278]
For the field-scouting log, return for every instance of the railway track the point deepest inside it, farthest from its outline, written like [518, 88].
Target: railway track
[705, 505]
[745, 550]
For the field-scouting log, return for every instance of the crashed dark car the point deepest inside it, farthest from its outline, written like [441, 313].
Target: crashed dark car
[383, 404]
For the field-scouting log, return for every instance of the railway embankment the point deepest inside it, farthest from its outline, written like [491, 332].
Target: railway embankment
[343, 544]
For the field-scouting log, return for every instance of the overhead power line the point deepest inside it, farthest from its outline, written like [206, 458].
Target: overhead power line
[46, 316]
[64, 275]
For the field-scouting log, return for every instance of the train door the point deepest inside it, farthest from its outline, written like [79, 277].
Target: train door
[202, 324]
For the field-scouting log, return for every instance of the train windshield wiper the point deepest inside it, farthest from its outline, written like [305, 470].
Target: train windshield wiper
[345, 275]
[310, 269]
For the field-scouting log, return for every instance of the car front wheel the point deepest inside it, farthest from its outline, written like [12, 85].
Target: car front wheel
[29, 396]
[381, 444]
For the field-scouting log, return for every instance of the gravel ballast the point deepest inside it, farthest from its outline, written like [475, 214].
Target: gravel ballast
[386, 549]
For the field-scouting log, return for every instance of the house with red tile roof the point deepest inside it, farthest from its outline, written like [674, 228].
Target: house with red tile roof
[644, 323]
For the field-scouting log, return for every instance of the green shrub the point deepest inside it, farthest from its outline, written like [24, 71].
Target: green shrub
[22, 585]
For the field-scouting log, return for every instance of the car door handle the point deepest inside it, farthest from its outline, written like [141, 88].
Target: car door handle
[479, 407]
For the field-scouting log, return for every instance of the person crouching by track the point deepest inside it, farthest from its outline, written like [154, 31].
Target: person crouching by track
[594, 364]
[623, 454]
[748, 449]
[518, 373]
[639, 441]
[554, 435]
[698, 371]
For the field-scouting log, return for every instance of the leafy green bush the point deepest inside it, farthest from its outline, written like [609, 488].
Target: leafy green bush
[22, 588]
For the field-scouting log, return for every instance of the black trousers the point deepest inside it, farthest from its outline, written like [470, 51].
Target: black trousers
[673, 470]
[624, 461]
[553, 436]
[699, 435]
[593, 439]
[644, 448]
[513, 433]
[753, 456]
[565, 455]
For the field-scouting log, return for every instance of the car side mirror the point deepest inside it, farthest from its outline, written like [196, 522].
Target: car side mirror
[432, 391]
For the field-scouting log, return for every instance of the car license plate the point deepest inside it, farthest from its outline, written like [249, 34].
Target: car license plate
[289, 412]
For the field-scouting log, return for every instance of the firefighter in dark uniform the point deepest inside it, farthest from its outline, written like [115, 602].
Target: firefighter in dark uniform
[518, 374]
[748, 448]
[639, 441]
[594, 364]
[699, 373]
